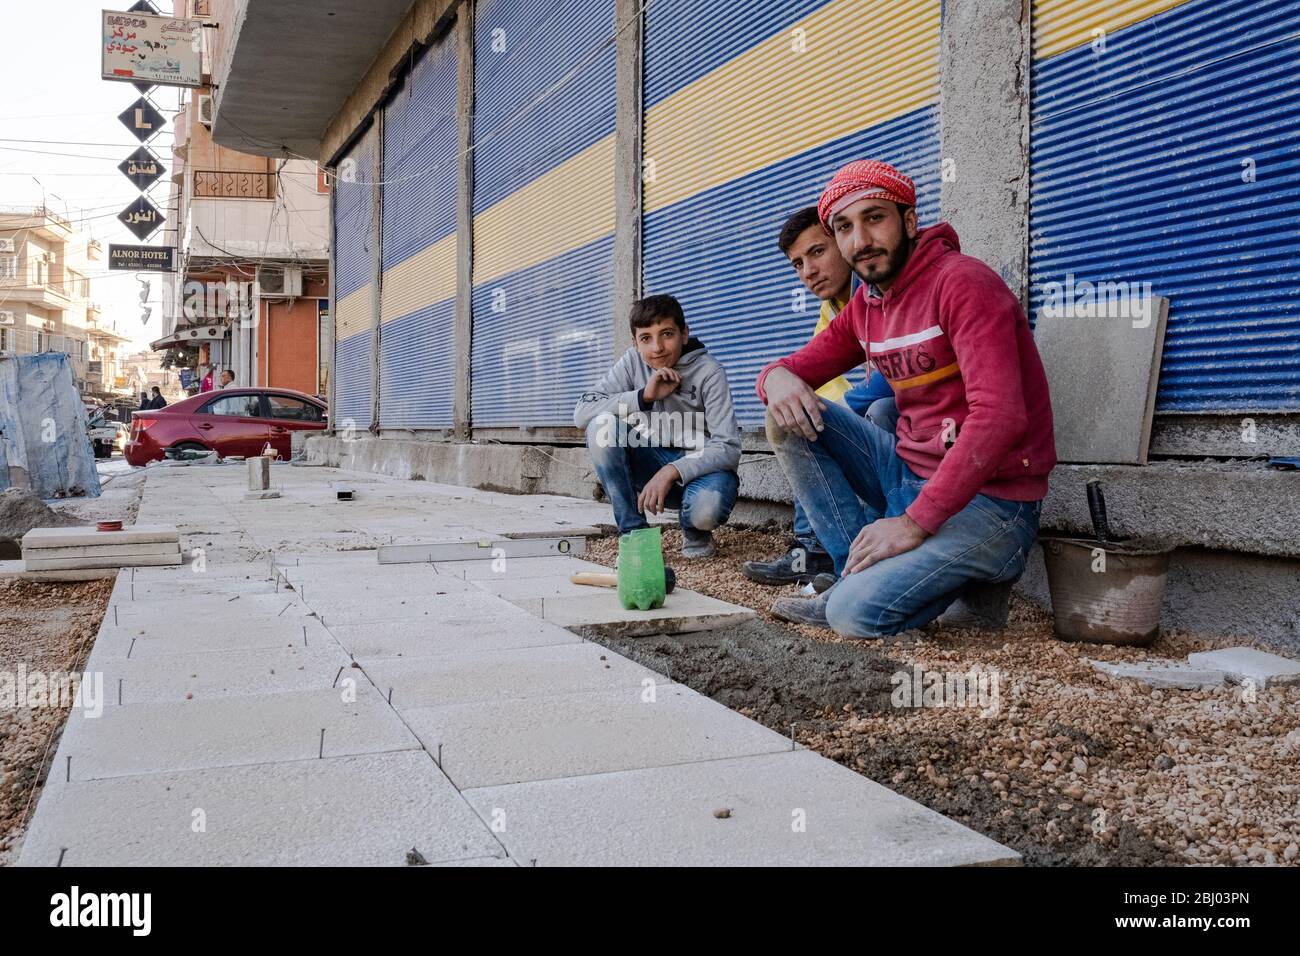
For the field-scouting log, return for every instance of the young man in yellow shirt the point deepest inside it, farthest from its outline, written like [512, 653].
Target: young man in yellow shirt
[816, 260]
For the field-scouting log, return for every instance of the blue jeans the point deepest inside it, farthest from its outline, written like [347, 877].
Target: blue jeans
[703, 504]
[852, 475]
[883, 412]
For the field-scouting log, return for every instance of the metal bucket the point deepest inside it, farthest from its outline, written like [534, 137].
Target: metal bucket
[1106, 594]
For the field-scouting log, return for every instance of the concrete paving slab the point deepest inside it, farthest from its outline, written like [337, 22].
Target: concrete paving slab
[363, 811]
[79, 537]
[787, 809]
[1103, 352]
[128, 590]
[504, 628]
[98, 551]
[601, 614]
[219, 673]
[103, 561]
[419, 611]
[189, 571]
[497, 742]
[1178, 675]
[140, 643]
[504, 675]
[83, 574]
[334, 600]
[230, 731]
[1246, 663]
[208, 611]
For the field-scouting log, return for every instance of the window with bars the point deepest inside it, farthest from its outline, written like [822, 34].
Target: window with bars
[8, 267]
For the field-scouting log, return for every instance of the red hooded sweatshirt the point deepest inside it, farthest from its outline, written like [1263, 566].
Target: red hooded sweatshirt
[954, 343]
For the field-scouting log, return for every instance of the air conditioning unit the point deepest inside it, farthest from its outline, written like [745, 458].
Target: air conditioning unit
[205, 110]
[8, 318]
[279, 281]
[7, 244]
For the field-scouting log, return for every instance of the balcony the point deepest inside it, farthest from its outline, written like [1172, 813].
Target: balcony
[40, 221]
[271, 92]
[30, 288]
[221, 184]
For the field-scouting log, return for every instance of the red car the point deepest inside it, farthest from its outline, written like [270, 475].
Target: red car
[232, 421]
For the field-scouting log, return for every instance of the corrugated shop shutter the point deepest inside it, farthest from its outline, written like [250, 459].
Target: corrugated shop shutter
[543, 207]
[750, 107]
[417, 349]
[354, 281]
[1168, 151]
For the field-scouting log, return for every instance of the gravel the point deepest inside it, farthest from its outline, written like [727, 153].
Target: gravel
[47, 627]
[1074, 767]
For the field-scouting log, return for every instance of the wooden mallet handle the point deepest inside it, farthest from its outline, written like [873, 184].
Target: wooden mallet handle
[602, 580]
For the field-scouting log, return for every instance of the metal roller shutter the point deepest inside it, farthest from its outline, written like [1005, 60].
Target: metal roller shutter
[1168, 151]
[543, 207]
[750, 106]
[355, 268]
[417, 357]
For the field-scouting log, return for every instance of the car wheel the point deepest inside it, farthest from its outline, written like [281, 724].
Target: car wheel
[189, 446]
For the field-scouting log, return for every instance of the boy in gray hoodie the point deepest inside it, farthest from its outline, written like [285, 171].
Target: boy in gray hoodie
[661, 428]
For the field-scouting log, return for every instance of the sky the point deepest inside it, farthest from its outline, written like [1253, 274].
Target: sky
[50, 89]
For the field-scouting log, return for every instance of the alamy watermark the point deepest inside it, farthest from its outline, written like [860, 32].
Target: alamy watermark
[653, 429]
[220, 300]
[1099, 300]
[976, 688]
[58, 689]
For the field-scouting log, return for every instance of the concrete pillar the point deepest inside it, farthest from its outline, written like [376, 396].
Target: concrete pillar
[627, 167]
[461, 408]
[334, 300]
[376, 174]
[984, 132]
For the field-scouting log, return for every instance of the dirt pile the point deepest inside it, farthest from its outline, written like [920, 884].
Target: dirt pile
[20, 512]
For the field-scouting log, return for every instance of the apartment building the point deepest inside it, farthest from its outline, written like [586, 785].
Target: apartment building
[252, 233]
[46, 265]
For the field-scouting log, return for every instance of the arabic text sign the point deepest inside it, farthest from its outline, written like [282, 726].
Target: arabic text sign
[142, 218]
[136, 47]
[142, 168]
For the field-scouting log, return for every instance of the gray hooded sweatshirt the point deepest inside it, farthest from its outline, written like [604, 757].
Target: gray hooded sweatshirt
[697, 417]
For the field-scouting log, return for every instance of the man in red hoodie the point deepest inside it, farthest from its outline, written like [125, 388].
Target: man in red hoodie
[912, 520]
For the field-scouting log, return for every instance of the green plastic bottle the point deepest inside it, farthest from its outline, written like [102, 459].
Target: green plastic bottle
[641, 569]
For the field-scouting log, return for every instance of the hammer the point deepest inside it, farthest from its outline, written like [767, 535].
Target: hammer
[599, 580]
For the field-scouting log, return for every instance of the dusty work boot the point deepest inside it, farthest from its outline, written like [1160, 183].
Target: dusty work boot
[697, 544]
[796, 566]
[802, 610]
[980, 606]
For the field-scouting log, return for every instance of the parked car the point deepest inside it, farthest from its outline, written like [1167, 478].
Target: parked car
[232, 421]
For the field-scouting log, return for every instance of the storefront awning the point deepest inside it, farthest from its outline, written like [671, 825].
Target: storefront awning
[190, 335]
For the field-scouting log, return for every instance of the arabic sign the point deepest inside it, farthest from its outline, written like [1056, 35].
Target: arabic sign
[137, 47]
[142, 258]
[142, 168]
[142, 119]
[142, 218]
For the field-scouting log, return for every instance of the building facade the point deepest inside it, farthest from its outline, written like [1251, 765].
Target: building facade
[251, 293]
[512, 174]
[47, 266]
